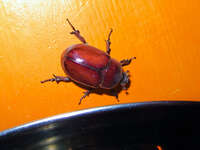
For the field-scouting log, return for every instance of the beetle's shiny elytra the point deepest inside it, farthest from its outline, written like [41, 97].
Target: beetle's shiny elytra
[91, 67]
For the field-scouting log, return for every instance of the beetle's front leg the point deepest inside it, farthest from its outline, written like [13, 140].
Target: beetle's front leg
[76, 33]
[108, 50]
[126, 62]
[58, 79]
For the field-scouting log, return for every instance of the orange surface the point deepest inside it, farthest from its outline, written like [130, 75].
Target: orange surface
[163, 35]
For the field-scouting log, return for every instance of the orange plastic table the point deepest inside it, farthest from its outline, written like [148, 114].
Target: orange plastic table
[163, 35]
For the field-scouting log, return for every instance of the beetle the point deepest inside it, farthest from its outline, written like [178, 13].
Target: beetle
[91, 67]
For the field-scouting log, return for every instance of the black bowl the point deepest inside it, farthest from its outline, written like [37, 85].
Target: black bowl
[136, 126]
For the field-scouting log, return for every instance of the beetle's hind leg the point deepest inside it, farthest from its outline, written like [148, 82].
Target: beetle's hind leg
[115, 93]
[116, 96]
[58, 79]
[126, 62]
[76, 33]
[86, 93]
[108, 50]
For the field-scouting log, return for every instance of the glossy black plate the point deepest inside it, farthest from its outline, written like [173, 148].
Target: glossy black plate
[135, 126]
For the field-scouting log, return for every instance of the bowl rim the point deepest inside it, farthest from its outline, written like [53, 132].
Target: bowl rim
[83, 112]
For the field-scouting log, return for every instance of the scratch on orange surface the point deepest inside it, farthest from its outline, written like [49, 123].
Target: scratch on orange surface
[175, 91]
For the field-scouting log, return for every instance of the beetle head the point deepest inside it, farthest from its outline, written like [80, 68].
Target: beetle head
[125, 80]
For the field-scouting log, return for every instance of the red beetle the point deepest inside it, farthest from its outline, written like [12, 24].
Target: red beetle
[91, 67]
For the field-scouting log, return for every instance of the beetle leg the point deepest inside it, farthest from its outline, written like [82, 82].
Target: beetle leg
[86, 93]
[108, 43]
[126, 62]
[126, 89]
[76, 33]
[58, 79]
[115, 94]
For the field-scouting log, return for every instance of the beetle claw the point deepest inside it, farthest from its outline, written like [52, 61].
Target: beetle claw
[116, 96]
[54, 75]
[72, 32]
[55, 79]
[133, 58]
[86, 93]
[75, 32]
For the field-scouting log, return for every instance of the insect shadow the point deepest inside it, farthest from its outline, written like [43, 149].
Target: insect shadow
[111, 92]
